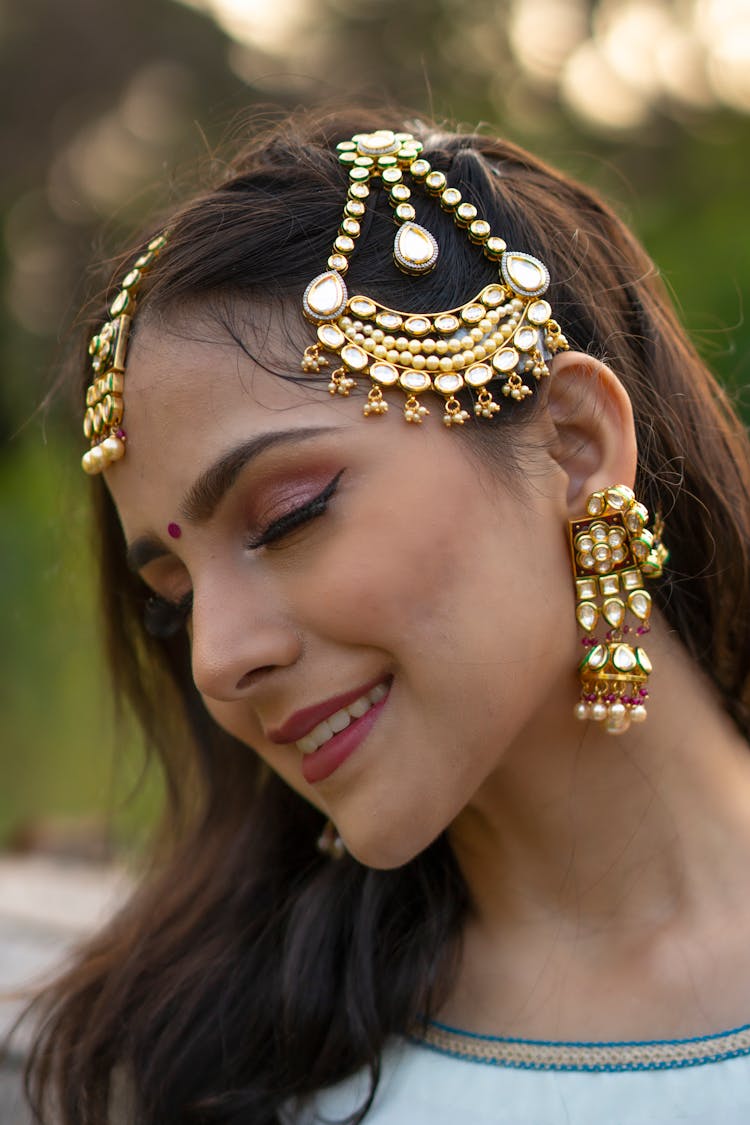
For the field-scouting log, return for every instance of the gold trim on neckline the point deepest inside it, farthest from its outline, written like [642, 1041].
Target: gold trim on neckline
[536, 1054]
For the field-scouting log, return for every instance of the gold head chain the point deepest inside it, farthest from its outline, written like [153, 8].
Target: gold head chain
[102, 422]
[506, 332]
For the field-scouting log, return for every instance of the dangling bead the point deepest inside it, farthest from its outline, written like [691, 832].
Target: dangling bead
[485, 406]
[114, 447]
[454, 415]
[341, 383]
[413, 412]
[375, 404]
[312, 360]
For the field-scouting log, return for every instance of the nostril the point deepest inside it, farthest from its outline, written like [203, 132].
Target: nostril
[253, 677]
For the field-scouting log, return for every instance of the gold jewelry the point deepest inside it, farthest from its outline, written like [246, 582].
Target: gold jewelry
[102, 422]
[612, 553]
[505, 332]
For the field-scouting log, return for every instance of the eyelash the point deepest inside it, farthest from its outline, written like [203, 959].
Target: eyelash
[162, 618]
[290, 521]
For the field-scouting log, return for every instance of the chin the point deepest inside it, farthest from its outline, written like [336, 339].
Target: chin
[388, 848]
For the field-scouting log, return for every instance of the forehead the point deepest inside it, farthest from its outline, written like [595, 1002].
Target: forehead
[246, 358]
[195, 387]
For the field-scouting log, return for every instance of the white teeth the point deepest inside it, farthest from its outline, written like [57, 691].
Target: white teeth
[340, 720]
[359, 707]
[322, 732]
[378, 692]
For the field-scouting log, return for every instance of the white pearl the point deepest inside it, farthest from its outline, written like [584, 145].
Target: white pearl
[617, 711]
[638, 714]
[617, 727]
[598, 711]
[115, 447]
[98, 458]
[582, 710]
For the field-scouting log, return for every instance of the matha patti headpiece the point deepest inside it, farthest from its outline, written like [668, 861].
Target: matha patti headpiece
[506, 332]
[102, 422]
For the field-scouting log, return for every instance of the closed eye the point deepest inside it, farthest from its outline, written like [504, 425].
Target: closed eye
[297, 517]
[162, 618]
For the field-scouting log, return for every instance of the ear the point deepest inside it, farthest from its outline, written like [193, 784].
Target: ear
[594, 435]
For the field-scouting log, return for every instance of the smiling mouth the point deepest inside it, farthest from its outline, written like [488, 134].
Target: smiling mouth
[341, 719]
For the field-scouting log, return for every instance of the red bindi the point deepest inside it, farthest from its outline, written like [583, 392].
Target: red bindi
[175, 531]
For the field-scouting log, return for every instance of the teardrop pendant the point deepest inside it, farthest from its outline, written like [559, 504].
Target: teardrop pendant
[415, 250]
[325, 297]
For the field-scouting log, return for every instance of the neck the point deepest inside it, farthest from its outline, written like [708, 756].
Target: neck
[608, 874]
[615, 831]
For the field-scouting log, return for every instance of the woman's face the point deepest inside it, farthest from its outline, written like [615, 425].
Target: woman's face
[373, 612]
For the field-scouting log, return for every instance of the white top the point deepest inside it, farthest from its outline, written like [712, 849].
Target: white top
[455, 1078]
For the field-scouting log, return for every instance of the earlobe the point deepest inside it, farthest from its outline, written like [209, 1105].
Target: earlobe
[594, 439]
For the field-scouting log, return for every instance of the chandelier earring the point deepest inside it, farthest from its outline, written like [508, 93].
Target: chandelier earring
[613, 552]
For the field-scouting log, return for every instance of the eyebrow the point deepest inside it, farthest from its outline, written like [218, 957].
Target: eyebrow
[206, 493]
[204, 496]
[143, 551]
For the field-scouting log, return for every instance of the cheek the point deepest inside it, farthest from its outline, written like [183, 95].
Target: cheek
[238, 721]
[452, 573]
[397, 563]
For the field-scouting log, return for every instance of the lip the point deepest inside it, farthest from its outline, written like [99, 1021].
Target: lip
[323, 762]
[303, 721]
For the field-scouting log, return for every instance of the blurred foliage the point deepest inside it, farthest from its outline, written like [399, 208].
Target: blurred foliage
[106, 101]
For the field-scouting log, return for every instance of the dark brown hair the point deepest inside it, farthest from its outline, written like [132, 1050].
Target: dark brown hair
[247, 970]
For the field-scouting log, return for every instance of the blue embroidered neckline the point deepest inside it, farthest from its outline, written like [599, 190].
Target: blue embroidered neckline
[545, 1054]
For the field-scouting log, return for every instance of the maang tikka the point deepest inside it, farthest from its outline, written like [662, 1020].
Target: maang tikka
[613, 551]
[506, 332]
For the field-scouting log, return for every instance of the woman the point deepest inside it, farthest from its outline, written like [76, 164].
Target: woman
[325, 616]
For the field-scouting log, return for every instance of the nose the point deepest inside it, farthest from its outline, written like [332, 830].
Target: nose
[239, 637]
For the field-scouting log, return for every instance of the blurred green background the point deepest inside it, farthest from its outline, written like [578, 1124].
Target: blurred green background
[106, 105]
